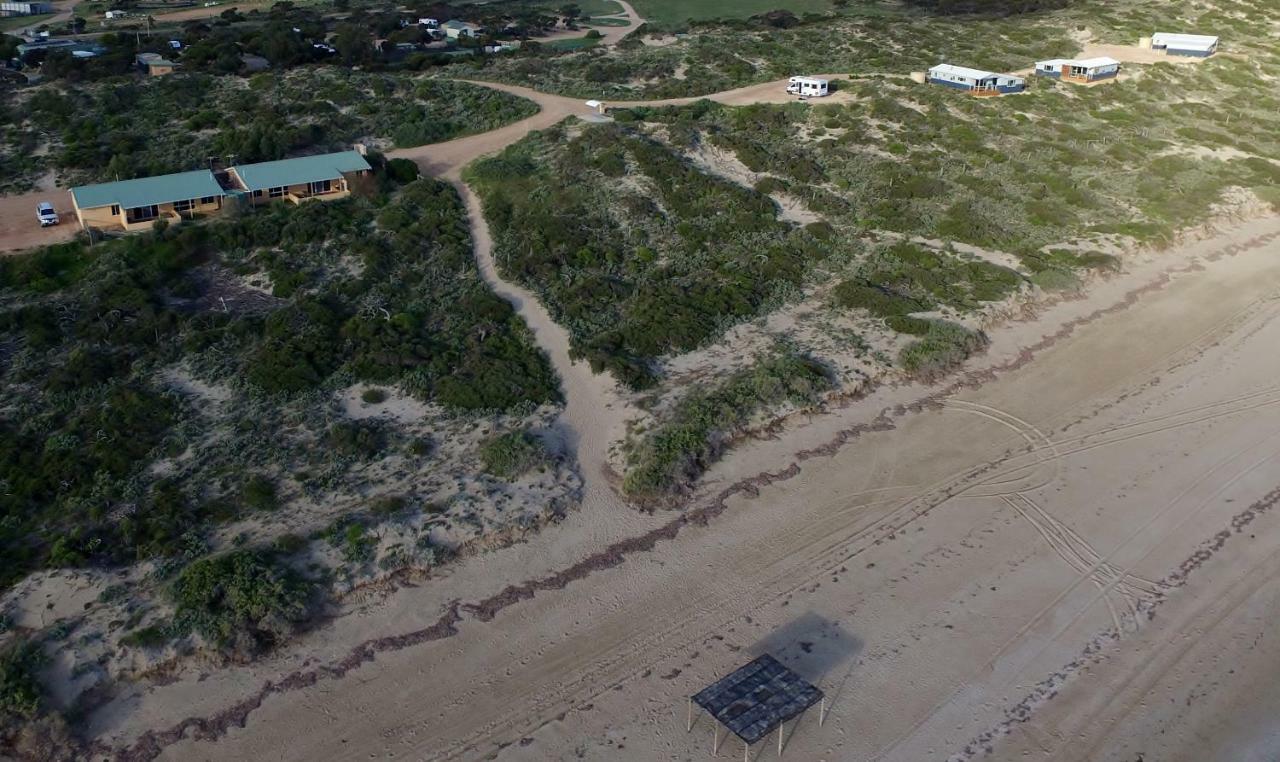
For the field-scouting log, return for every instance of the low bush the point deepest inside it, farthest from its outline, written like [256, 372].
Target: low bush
[700, 426]
[943, 347]
[244, 601]
[259, 493]
[511, 455]
[152, 636]
[21, 696]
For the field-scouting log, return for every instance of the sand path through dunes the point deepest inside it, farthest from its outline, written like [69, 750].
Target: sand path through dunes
[595, 413]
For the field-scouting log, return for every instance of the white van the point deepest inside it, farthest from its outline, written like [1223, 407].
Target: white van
[808, 87]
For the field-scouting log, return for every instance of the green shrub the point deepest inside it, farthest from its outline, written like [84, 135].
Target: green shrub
[259, 493]
[944, 347]
[363, 439]
[21, 696]
[244, 600]
[511, 455]
[374, 396]
[388, 505]
[1054, 279]
[152, 636]
[697, 429]
[402, 171]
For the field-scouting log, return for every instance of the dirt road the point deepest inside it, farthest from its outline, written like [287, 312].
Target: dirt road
[609, 35]
[447, 159]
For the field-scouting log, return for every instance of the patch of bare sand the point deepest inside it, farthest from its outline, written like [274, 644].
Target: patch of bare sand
[940, 550]
[725, 165]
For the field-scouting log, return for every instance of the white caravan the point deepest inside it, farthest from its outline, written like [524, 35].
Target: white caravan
[807, 87]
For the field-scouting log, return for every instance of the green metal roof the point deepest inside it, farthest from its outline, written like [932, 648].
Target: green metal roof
[146, 191]
[306, 169]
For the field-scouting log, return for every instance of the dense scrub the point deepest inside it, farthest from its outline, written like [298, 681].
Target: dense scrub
[112, 355]
[124, 127]
[865, 38]
[695, 432]
[1022, 175]
[637, 252]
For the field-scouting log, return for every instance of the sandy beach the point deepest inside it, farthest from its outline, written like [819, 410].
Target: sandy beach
[1070, 546]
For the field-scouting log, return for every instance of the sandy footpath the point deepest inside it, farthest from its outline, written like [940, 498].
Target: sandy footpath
[942, 569]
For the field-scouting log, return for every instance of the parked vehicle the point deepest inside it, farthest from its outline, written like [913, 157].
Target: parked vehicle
[46, 214]
[808, 87]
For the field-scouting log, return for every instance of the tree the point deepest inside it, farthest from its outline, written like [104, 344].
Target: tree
[353, 44]
[570, 12]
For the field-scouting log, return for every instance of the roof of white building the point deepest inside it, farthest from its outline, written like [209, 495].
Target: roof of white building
[1095, 63]
[1185, 41]
[1088, 63]
[962, 71]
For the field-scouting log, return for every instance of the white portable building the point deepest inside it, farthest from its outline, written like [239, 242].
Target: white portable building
[1176, 44]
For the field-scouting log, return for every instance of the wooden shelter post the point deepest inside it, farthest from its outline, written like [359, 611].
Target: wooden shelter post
[780, 725]
[689, 722]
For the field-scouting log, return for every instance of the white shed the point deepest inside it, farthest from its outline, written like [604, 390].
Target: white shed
[1176, 44]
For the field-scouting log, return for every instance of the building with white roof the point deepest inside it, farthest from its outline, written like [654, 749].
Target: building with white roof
[976, 81]
[1084, 70]
[1175, 44]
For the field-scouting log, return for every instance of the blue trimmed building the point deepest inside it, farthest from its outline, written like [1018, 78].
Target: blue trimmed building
[976, 81]
[1083, 70]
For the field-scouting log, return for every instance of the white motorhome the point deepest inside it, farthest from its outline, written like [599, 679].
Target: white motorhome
[808, 87]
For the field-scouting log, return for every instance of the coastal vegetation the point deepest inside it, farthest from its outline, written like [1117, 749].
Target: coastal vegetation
[123, 128]
[161, 384]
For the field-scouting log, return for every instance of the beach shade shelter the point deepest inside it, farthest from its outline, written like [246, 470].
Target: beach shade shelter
[755, 699]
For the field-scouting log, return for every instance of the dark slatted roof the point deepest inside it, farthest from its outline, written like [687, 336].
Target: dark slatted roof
[758, 697]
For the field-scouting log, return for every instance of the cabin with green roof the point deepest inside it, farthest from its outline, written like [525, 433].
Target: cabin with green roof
[326, 177]
[136, 204]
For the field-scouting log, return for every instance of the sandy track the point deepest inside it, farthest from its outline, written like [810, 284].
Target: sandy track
[448, 159]
[609, 35]
[595, 413]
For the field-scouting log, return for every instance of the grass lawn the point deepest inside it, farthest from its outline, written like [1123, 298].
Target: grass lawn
[574, 43]
[10, 23]
[596, 7]
[671, 12]
[605, 22]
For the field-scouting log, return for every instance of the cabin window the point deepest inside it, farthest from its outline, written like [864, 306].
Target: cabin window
[206, 200]
[276, 192]
[183, 206]
[322, 186]
[115, 210]
[257, 194]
